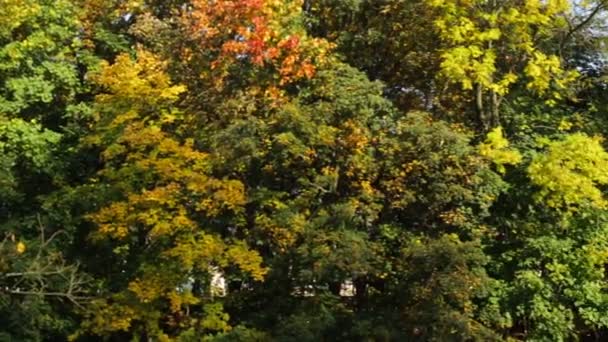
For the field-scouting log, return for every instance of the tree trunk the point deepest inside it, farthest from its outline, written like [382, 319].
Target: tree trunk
[481, 111]
[360, 291]
[494, 115]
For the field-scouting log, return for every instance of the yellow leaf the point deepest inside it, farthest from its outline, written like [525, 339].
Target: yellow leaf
[20, 248]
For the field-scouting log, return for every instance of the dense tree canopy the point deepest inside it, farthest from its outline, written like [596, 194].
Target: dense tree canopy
[303, 170]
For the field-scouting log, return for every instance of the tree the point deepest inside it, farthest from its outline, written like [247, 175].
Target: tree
[169, 220]
[391, 41]
[40, 93]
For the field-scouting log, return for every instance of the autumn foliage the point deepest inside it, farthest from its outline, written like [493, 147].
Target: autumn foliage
[317, 170]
